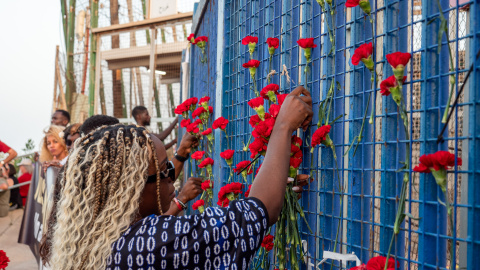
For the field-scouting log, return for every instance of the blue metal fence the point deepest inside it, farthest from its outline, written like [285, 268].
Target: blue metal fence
[369, 178]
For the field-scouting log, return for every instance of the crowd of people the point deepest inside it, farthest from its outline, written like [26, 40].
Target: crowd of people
[114, 205]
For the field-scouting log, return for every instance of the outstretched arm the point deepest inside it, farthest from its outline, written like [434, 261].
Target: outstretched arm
[164, 134]
[269, 185]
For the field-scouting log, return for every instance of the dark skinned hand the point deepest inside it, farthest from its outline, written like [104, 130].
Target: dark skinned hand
[191, 189]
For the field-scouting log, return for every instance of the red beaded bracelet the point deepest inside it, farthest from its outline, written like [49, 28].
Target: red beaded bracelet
[178, 204]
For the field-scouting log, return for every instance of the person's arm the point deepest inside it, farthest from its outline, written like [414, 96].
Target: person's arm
[164, 134]
[10, 182]
[170, 144]
[269, 185]
[11, 155]
[188, 141]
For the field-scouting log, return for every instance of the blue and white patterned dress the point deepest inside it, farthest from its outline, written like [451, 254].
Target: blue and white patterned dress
[220, 238]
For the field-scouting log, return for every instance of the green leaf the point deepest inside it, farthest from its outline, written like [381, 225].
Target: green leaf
[401, 168]
[350, 146]
[339, 87]
[412, 217]
[441, 202]
[441, 30]
[432, 20]
[334, 120]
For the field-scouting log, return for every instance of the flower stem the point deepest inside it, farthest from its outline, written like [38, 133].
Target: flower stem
[269, 68]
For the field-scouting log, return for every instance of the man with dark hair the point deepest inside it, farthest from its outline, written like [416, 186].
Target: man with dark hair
[141, 116]
[96, 121]
[60, 118]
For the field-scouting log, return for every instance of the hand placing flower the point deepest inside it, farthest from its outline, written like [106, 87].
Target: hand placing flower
[270, 92]
[199, 205]
[251, 41]
[257, 105]
[228, 193]
[391, 86]
[364, 5]
[398, 61]
[364, 54]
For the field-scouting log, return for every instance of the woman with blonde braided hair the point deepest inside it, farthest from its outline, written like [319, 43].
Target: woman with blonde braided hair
[118, 182]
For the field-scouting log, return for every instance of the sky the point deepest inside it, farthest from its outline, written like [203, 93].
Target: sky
[30, 30]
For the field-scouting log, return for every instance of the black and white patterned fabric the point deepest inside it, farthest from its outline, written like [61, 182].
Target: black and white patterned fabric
[220, 238]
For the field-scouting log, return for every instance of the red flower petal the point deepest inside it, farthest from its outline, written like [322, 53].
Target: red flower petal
[306, 43]
[198, 155]
[252, 63]
[352, 3]
[205, 162]
[241, 165]
[274, 110]
[273, 42]
[281, 98]
[207, 132]
[198, 111]
[185, 122]
[398, 58]
[204, 99]
[320, 135]
[378, 263]
[256, 102]
[249, 39]
[248, 191]
[206, 184]
[220, 122]
[227, 154]
[201, 38]
[198, 203]
[269, 88]
[362, 52]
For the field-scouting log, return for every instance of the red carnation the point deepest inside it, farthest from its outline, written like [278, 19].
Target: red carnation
[220, 122]
[390, 86]
[274, 110]
[198, 155]
[249, 39]
[181, 109]
[196, 205]
[4, 260]
[228, 193]
[201, 41]
[207, 184]
[252, 64]
[191, 101]
[398, 61]
[364, 5]
[321, 136]
[198, 112]
[295, 162]
[306, 43]
[254, 120]
[185, 122]
[378, 263]
[241, 165]
[272, 45]
[364, 54]
[208, 131]
[438, 164]
[296, 143]
[191, 38]
[228, 156]
[210, 109]
[267, 242]
[258, 146]
[257, 105]
[207, 161]
[281, 98]
[270, 92]
[204, 101]
[193, 128]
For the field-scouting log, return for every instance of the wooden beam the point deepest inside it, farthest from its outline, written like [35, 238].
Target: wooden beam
[144, 62]
[170, 19]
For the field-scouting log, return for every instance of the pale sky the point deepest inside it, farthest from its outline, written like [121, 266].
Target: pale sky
[30, 30]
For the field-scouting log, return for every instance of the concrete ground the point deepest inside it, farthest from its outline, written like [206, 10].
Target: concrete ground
[21, 258]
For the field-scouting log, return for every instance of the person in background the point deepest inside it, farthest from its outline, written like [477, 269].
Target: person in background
[71, 134]
[7, 150]
[54, 151]
[15, 198]
[60, 118]
[26, 169]
[141, 116]
[4, 195]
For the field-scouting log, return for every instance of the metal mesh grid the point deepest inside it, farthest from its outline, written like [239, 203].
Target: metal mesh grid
[369, 178]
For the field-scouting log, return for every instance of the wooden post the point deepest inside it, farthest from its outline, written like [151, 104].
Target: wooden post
[70, 48]
[172, 102]
[63, 4]
[55, 82]
[133, 43]
[98, 70]
[85, 58]
[116, 74]
[93, 56]
[153, 55]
